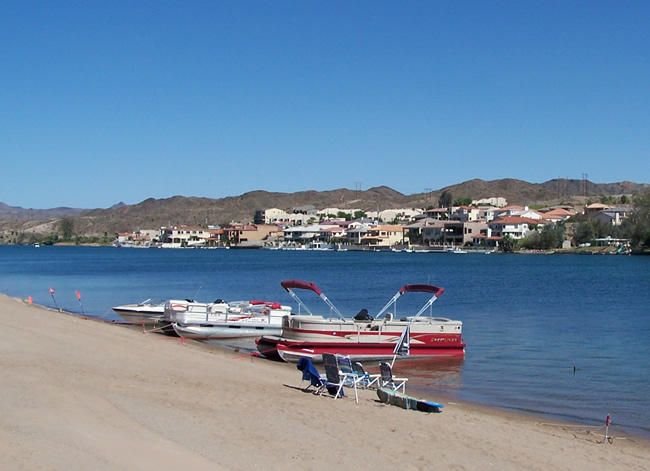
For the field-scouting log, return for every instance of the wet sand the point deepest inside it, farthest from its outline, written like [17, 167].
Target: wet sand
[78, 394]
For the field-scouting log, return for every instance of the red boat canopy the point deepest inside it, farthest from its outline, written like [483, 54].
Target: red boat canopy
[288, 284]
[437, 291]
[308, 285]
[417, 288]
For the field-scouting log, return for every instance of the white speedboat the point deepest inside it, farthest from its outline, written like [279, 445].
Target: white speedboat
[147, 312]
[226, 321]
[364, 337]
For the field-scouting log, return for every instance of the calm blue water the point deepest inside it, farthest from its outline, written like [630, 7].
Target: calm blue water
[528, 319]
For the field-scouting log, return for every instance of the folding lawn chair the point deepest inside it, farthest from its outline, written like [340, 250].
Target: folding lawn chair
[366, 380]
[388, 380]
[336, 379]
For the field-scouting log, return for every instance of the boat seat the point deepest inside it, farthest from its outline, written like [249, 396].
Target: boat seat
[363, 316]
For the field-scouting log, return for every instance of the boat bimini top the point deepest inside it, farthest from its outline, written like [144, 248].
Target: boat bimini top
[290, 285]
[418, 288]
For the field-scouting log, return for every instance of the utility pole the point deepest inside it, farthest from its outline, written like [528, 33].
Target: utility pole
[357, 187]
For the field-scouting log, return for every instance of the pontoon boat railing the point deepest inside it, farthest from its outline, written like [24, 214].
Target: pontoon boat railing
[288, 285]
[417, 288]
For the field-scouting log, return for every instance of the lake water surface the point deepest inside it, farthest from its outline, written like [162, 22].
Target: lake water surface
[566, 337]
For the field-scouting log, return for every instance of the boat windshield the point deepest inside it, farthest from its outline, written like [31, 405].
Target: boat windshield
[153, 302]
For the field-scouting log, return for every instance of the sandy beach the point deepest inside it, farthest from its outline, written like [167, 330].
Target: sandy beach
[78, 394]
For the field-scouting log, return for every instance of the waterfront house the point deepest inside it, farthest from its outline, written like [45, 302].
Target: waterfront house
[271, 216]
[497, 201]
[184, 236]
[613, 216]
[139, 238]
[487, 213]
[356, 232]
[465, 214]
[486, 239]
[394, 215]
[249, 234]
[415, 232]
[514, 226]
[432, 232]
[123, 239]
[437, 213]
[592, 210]
[384, 236]
[520, 211]
[278, 216]
[558, 215]
[324, 232]
[460, 233]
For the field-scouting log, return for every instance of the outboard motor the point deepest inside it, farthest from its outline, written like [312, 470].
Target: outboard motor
[363, 316]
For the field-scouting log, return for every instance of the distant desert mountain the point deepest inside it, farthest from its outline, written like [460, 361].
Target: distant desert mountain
[524, 193]
[15, 213]
[154, 213]
[118, 205]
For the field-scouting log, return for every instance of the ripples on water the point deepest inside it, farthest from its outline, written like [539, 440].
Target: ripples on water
[528, 319]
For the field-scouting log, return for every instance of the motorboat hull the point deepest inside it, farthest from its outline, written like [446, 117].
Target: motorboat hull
[141, 313]
[225, 330]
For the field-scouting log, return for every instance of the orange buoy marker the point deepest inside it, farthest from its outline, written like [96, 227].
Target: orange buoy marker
[82, 307]
[55, 304]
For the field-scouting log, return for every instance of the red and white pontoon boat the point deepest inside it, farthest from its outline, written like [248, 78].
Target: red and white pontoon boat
[363, 337]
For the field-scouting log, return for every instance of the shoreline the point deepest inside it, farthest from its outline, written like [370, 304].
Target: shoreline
[595, 250]
[90, 395]
[547, 419]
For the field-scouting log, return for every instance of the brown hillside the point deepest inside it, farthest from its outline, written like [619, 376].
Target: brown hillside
[154, 213]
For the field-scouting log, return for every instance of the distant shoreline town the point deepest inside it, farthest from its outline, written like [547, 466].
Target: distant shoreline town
[484, 226]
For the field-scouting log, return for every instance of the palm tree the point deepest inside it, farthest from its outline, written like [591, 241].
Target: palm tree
[508, 243]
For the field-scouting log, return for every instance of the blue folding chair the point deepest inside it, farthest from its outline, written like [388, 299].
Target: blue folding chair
[388, 380]
[366, 380]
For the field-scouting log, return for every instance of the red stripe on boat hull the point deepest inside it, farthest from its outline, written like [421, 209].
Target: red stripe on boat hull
[289, 350]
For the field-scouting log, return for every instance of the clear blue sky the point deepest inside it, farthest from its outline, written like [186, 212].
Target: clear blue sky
[109, 101]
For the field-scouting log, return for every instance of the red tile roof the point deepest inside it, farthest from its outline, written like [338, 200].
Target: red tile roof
[517, 220]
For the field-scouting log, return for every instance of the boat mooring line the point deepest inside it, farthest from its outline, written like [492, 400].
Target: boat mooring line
[252, 354]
